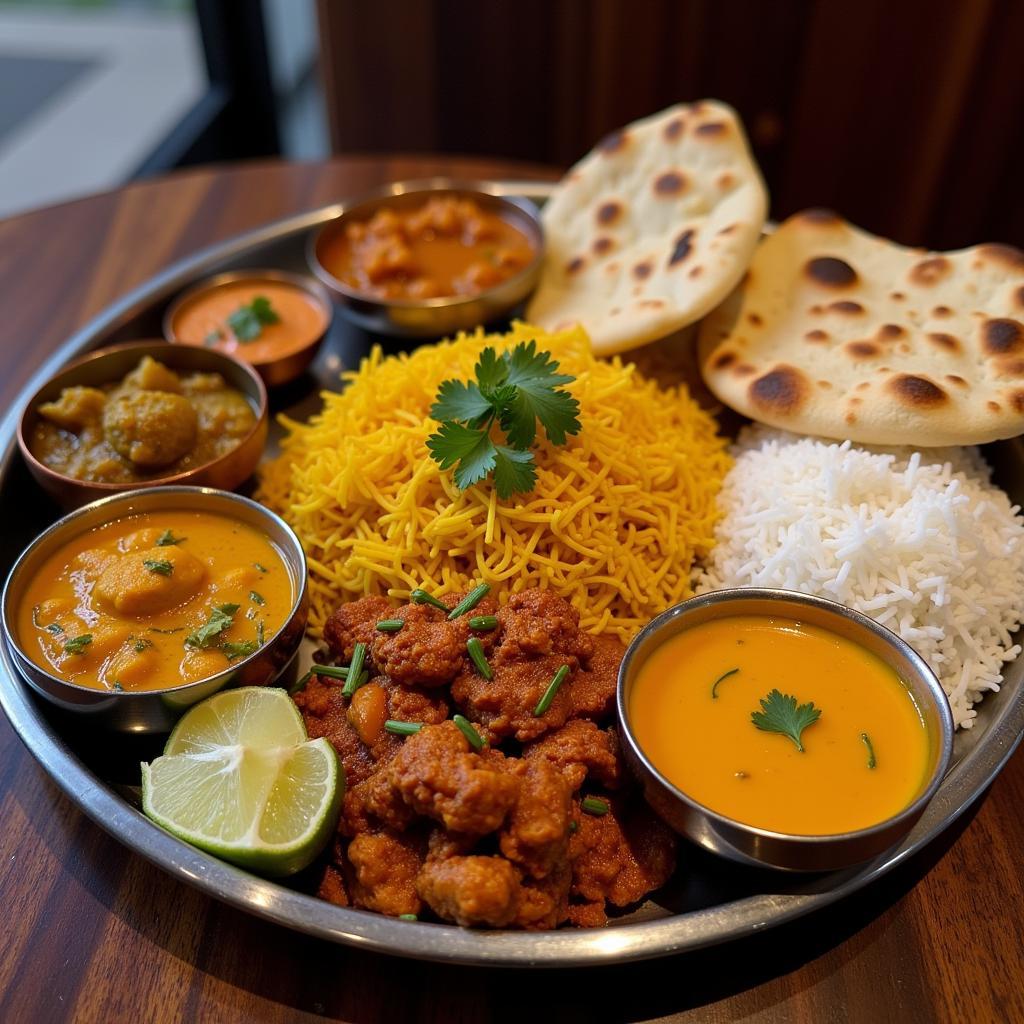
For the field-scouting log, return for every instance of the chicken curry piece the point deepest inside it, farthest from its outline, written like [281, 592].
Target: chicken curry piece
[537, 828]
[152, 423]
[447, 247]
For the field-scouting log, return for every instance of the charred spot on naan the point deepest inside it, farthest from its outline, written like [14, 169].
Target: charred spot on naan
[862, 350]
[575, 265]
[1009, 366]
[890, 332]
[1001, 337]
[609, 212]
[603, 245]
[642, 270]
[830, 272]
[943, 341]
[917, 392]
[819, 216]
[712, 129]
[816, 336]
[930, 271]
[941, 312]
[682, 248]
[674, 129]
[782, 391]
[669, 183]
[955, 378]
[614, 142]
[846, 307]
[1006, 256]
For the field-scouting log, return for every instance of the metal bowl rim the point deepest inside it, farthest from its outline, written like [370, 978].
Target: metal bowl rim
[424, 186]
[308, 283]
[735, 595]
[67, 523]
[113, 489]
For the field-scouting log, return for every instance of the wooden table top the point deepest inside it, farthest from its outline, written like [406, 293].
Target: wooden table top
[94, 933]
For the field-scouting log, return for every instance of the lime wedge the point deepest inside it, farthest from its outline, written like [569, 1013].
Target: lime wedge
[240, 779]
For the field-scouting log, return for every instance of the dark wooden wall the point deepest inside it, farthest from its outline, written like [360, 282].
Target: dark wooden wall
[905, 115]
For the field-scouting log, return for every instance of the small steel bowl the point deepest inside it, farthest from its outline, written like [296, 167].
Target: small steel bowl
[280, 369]
[111, 364]
[431, 318]
[748, 844]
[155, 711]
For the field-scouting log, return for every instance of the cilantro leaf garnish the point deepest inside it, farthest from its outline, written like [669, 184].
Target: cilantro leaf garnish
[247, 322]
[167, 539]
[159, 565]
[77, 644]
[241, 649]
[781, 714]
[512, 391]
[221, 618]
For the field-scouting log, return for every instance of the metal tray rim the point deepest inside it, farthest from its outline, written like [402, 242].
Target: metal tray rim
[965, 782]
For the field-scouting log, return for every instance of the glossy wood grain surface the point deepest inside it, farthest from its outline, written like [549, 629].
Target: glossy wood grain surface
[91, 932]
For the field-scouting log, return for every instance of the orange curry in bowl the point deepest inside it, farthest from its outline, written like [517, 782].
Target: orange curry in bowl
[257, 319]
[155, 601]
[447, 247]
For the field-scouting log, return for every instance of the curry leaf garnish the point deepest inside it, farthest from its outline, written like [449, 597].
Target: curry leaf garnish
[221, 617]
[260, 568]
[160, 566]
[513, 391]
[247, 322]
[780, 713]
[256, 598]
[77, 644]
[866, 739]
[167, 538]
[724, 675]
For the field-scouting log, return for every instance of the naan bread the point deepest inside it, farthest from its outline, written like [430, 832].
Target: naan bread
[841, 334]
[652, 229]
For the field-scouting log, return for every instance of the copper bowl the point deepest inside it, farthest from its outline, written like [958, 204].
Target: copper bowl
[111, 364]
[432, 318]
[281, 369]
[153, 711]
[748, 844]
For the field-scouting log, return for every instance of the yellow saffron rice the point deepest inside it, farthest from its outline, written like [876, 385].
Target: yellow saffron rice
[618, 517]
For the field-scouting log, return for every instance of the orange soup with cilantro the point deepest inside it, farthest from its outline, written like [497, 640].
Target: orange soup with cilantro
[154, 601]
[780, 725]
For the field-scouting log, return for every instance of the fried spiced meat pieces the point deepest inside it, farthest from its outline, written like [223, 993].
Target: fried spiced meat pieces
[496, 837]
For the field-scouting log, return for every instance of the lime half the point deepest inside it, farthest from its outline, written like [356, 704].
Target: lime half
[240, 779]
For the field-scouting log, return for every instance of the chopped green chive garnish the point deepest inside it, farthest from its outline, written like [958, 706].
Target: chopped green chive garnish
[77, 644]
[470, 601]
[866, 739]
[484, 622]
[175, 629]
[390, 625]
[167, 539]
[160, 566]
[476, 653]
[593, 805]
[355, 671]
[549, 694]
[260, 634]
[724, 675]
[467, 730]
[408, 917]
[399, 728]
[419, 596]
[256, 598]
[261, 568]
[331, 671]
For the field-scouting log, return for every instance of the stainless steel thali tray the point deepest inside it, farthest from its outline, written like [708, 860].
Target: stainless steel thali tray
[709, 901]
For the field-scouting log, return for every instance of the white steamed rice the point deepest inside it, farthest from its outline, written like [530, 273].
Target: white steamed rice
[922, 542]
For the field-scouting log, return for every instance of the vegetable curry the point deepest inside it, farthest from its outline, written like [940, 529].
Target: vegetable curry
[780, 725]
[155, 601]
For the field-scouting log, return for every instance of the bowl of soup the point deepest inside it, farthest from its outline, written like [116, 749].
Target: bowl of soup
[781, 729]
[429, 258]
[136, 606]
[271, 319]
[144, 413]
